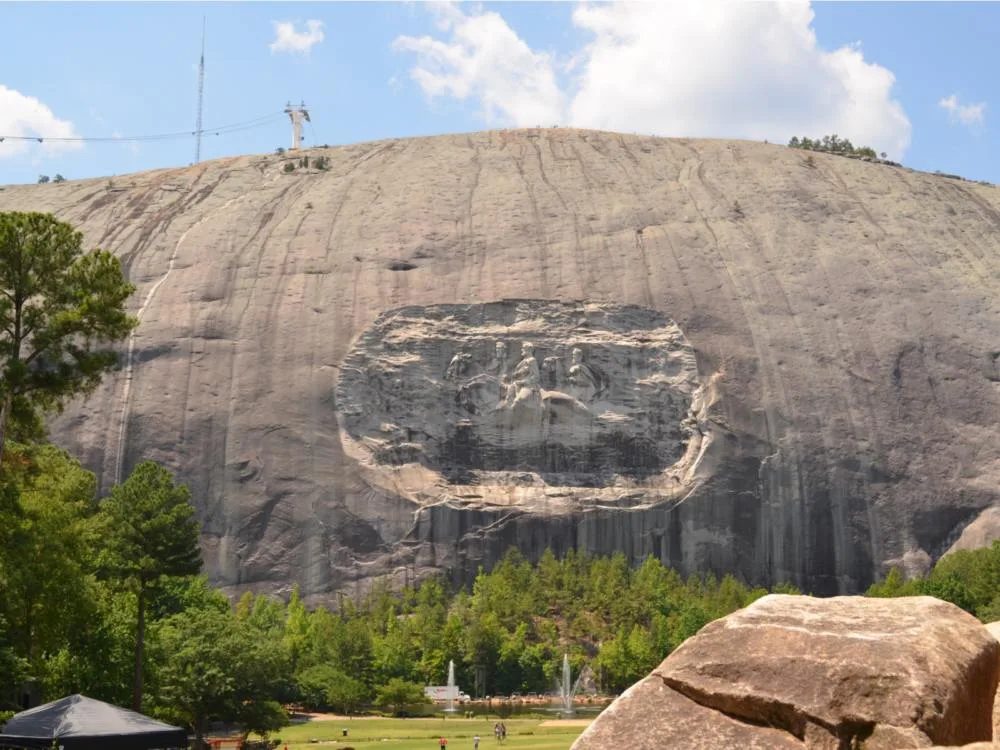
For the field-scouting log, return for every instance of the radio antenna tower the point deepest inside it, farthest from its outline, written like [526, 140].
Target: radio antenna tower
[201, 96]
[297, 115]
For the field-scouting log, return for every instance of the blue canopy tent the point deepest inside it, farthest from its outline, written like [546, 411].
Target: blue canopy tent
[81, 723]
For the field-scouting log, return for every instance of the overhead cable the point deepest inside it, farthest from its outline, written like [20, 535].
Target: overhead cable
[222, 130]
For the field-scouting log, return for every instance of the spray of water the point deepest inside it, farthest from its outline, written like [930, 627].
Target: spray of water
[567, 688]
[451, 687]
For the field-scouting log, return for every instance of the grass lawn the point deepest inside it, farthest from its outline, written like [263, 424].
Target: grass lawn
[423, 734]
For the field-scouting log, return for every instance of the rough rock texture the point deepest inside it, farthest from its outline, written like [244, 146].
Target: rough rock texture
[994, 629]
[435, 406]
[824, 673]
[842, 319]
[981, 532]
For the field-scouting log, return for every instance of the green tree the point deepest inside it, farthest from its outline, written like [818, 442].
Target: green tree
[296, 629]
[893, 585]
[42, 179]
[212, 664]
[199, 656]
[149, 533]
[61, 311]
[59, 178]
[12, 669]
[45, 557]
[345, 694]
[325, 686]
[399, 695]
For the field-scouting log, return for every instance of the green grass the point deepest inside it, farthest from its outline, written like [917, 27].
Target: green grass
[423, 734]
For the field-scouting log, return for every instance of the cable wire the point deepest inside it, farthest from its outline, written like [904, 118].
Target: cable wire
[222, 130]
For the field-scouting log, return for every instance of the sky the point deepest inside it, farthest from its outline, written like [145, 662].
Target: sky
[915, 80]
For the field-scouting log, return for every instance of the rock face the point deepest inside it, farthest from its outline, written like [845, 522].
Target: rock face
[994, 629]
[785, 371]
[600, 405]
[816, 673]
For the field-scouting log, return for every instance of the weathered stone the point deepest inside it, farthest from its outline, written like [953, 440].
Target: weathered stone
[527, 404]
[843, 330]
[981, 532]
[651, 716]
[829, 673]
[993, 628]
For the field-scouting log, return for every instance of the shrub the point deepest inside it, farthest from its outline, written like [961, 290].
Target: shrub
[59, 178]
[833, 144]
[279, 151]
[289, 166]
[42, 179]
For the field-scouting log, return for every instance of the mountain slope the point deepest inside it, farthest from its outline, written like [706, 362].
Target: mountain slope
[840, 411]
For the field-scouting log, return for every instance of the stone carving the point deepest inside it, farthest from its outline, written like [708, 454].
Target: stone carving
[458, 366]
[585, 384]
[622, 414]
[524, 391]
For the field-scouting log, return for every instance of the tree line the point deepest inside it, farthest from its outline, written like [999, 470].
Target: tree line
[833, 144]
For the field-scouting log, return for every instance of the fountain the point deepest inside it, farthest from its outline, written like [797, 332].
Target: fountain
[451, 688]
[566, 688]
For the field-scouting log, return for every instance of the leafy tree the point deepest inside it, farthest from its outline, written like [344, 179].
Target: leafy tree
[280, 151]
[198, 655]
[213, 664]
[296, 628]
[59, 178]
[42, 179]
[833, 144]
[97, 659]
[893, 585]
[261, 717]
[12, 669]
[399, 695]
[150, 533]
[48, 597]
[61, 310]
[345, 694]
[325, 686]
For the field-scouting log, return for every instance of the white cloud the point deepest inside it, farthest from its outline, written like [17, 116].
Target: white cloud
[967, 114]
[22, 115]
[487, 61]
[706, 69]
[287, 39]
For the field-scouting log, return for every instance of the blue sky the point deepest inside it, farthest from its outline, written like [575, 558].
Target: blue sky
[918, 80]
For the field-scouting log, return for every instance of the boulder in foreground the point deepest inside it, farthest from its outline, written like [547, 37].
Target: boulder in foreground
[802, 672]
